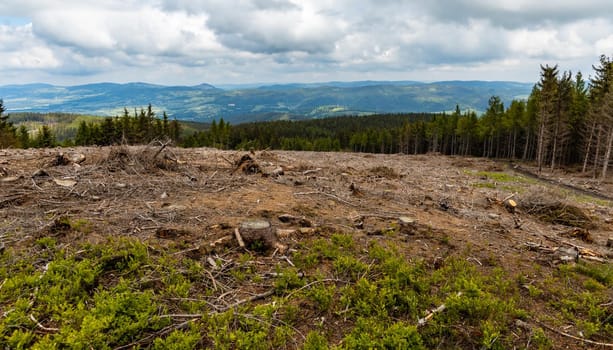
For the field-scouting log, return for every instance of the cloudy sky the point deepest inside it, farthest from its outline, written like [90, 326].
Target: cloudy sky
[188, 42]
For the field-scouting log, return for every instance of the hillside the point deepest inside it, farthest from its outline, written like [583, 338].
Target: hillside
[291, 101]
[137, 247]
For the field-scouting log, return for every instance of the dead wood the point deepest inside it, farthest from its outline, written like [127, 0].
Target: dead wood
[258, 235]
[422, 321]
[169, 232]
[355, 190]
[583, 340]
[246, 165]
[138, 160]
[555, 212]
[247, 300]
[580, 233]
[59, 160]
[328, 195]
[15, 199]
[407, 225]
[39, 325]
[239, 238]
[384, 172]
[295, 220]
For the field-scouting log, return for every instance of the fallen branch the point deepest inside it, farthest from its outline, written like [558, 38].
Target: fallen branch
[584, 253]
[239, 238]
[422, 321]
[509, 197]
[247, 300]
[160, 333]
[308, 285]
[609, 345]
[311, 171]
[326, 194]
[12, 199]
[39, 325]
[160, 150]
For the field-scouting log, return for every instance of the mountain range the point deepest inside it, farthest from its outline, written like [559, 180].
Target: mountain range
[246, 103]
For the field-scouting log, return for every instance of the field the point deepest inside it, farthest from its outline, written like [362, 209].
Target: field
[144, 247]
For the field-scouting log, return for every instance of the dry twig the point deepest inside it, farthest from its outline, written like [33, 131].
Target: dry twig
[608, 345]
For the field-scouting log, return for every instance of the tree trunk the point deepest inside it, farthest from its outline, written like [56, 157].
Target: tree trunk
[526, 145]
[540, 148]
[607, 155]
[597, 151]
[588, 146]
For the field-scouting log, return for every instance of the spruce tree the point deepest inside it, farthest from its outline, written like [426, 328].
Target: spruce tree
[548, 86]
[7, 131]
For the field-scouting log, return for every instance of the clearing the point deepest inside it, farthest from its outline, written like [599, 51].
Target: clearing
[136, 247]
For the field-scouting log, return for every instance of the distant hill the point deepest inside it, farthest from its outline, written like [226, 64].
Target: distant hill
[247, 103]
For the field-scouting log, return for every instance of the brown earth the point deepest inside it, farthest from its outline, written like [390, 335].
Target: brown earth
[197, 196]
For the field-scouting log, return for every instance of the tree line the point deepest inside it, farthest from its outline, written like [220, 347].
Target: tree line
[141, 127]
[565, 121]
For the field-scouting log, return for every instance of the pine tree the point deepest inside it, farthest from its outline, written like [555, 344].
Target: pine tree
[607, 119]
[548, 86]
[7, 131]
[23, 136]
[578, 119]
[513, 120]
[530, 124]
[559, 128]
[45, 138]
[600, 84]
[165, 126]
[491, 125]
[175, 130]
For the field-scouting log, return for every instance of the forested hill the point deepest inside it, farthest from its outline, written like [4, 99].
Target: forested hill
[271, 102]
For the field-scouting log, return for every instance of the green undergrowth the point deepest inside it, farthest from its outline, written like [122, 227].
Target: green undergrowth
[500, 180]
[338, 293]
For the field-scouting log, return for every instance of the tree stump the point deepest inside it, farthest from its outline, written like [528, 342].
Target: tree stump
[407, 225]
[258, 235]
[510, 205]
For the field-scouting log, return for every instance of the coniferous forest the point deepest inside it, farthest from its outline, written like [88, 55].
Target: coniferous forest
[566, 121]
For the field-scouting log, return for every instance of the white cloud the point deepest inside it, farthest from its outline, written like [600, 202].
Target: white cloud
[187, 41]
[21, 50]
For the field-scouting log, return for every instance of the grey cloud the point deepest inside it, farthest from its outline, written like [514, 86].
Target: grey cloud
[267, 40]
[518, 13]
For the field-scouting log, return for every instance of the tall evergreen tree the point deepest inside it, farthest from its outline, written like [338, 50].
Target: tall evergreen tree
[560, 121]
[578, 119]
[600, 85]
[7, 131]
[44, 138]
[23, 136]
[530, 124]
[548, 86]
[607, 119]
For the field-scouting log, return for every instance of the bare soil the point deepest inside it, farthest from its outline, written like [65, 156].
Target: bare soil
[199, 196]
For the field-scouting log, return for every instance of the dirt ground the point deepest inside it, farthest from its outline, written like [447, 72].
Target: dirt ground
[457, 205]
[203, 193]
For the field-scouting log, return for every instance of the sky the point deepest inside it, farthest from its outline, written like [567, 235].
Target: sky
[188, 42]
